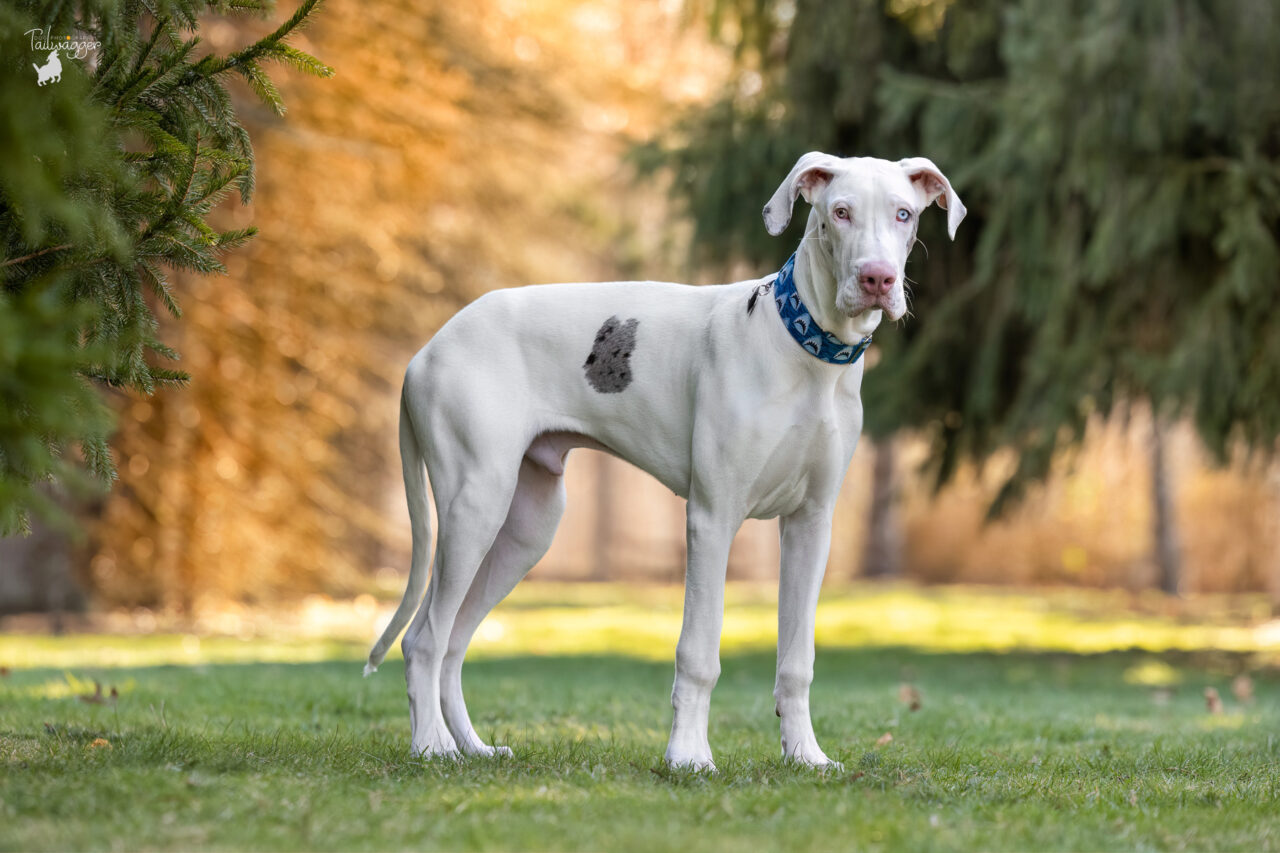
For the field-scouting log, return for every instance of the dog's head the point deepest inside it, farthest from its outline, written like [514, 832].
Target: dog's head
[865, 213]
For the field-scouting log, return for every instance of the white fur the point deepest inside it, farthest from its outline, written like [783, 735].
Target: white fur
[724, 408]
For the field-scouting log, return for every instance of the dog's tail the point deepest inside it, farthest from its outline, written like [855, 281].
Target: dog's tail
[415, 489]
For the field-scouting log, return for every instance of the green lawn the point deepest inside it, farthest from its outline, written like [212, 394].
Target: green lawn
[1011, 750]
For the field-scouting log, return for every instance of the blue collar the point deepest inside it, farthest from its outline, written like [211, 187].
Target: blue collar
[795, 316]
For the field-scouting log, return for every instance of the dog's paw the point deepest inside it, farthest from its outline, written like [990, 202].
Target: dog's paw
[435, 742]
[695, 760]
[810, 755]
[432, 752]
[483, 750]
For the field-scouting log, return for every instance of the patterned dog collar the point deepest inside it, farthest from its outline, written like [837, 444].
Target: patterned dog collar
[795, 316]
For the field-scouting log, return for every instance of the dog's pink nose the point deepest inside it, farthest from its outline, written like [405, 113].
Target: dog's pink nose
[877, 277]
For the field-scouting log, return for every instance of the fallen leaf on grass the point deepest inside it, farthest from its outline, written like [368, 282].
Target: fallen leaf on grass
[4, 671]
[1133, 797]
[884, 739]
[101, 743]
[1212, 701]
[909, 696]
[1242, 688]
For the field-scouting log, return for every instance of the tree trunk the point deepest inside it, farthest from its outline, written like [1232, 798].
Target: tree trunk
[1272, 568]
[1168, 556]
[36, 574]
[882, 551]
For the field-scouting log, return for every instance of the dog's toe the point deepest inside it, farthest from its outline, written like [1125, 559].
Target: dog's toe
[694, 763]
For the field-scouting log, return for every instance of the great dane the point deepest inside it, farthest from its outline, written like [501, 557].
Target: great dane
[743, 398]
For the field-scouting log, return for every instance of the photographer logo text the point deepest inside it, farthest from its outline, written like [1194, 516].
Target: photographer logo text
[50, 71]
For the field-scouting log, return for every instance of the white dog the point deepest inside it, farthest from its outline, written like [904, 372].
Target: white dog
[51, 72]
[743, 398]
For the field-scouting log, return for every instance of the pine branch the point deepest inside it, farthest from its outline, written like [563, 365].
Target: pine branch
[299, 59]
[263, 45]
[35, 255]
[262, 86]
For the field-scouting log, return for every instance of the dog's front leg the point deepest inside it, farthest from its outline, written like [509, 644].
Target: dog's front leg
[709, 536]
[806, 541]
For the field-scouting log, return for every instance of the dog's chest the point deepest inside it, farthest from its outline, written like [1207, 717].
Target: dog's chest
[805, 461]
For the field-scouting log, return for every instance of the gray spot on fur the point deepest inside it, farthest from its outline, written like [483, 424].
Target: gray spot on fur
[608, 366]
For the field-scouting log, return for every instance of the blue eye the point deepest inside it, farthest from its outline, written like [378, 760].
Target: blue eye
[903, 214]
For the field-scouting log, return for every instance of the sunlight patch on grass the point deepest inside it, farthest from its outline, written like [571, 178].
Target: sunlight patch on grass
[1223, 721]
[944, 619]
[70, 686]
[28, 651]
[644, 623]
[1152, 673]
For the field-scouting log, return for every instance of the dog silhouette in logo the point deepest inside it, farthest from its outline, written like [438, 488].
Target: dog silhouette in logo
[52, 70]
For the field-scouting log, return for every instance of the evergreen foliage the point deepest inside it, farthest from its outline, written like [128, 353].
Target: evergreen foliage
[107, 179]
[1121, 165]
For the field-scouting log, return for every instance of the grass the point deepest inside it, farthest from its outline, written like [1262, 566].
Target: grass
[1055, 749]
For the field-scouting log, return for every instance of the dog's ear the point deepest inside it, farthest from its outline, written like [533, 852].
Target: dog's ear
[810, 173]
[934, 185]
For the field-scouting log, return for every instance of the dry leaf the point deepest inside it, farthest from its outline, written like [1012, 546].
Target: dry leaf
[1212, 701]
[909, 696]
[883, 739]
[1133, 796]
[1242, 688]
[100, 743]
[4, 671]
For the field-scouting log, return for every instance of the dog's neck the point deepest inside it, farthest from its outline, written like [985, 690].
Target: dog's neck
[815, 278]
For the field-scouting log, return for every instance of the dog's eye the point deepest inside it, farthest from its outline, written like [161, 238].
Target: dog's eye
[903, 214]
[842, 213]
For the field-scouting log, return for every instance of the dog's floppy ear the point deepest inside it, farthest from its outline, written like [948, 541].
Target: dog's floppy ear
[929, 178]
[810, 173]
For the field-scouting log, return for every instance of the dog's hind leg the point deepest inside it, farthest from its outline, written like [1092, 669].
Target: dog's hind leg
[526, 535]
[471, 507]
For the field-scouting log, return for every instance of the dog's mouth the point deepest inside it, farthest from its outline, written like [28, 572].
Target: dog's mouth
[891, 307]
[857, 303]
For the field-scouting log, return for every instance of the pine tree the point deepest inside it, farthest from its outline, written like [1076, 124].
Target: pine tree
[107, 180]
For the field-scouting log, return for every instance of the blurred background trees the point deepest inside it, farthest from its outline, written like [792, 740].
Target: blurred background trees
[1120, 163]
[1118, 264]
